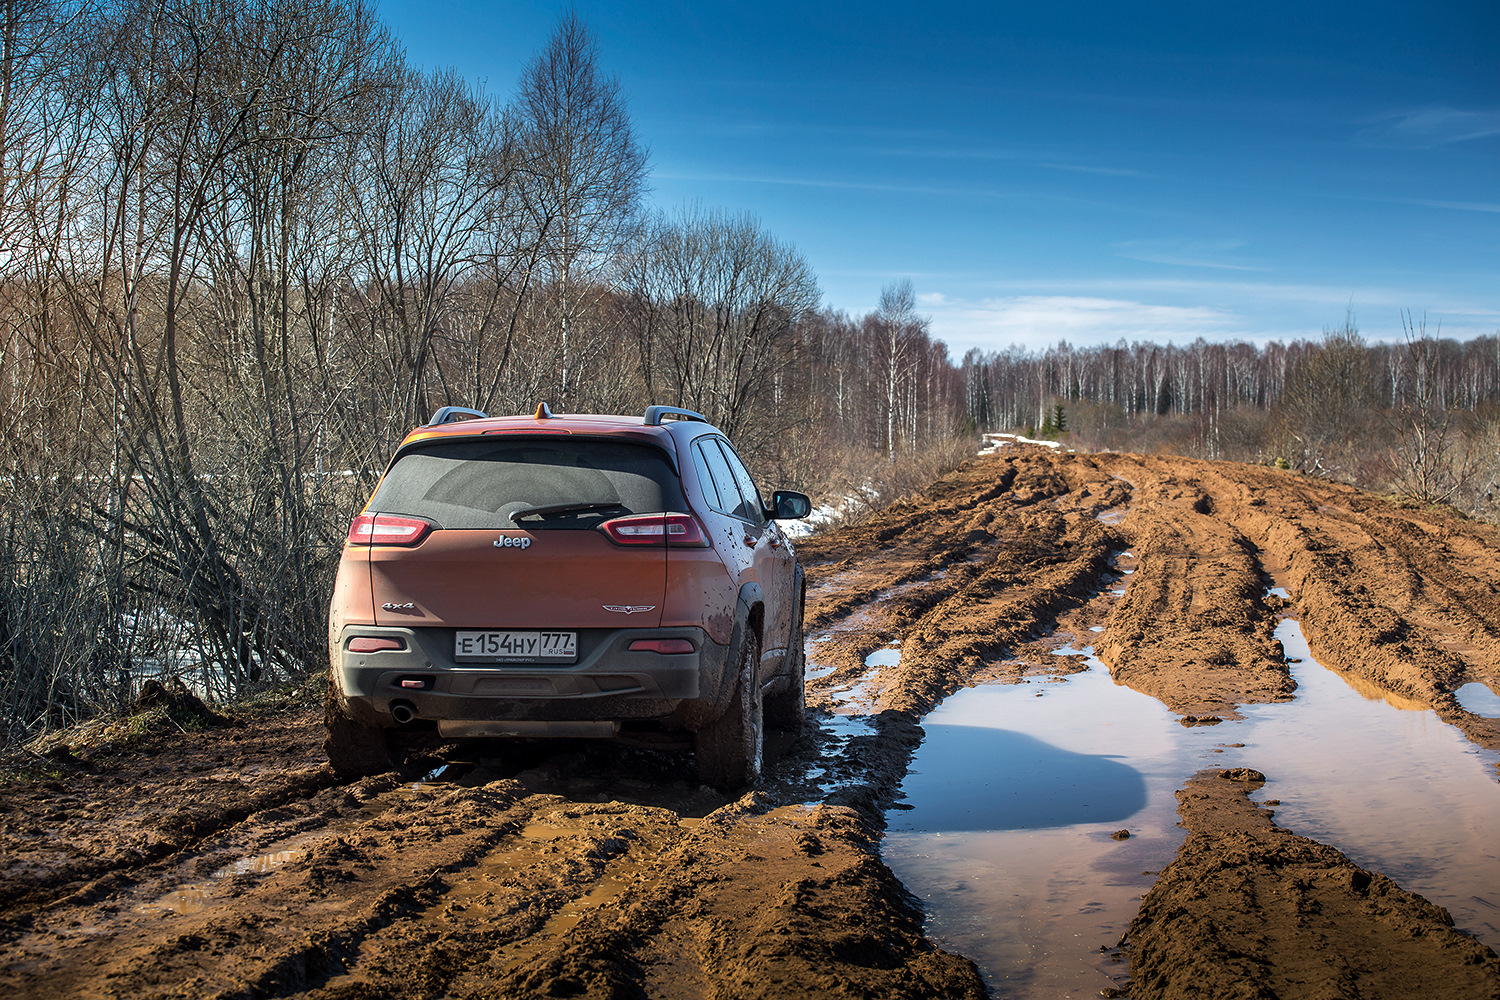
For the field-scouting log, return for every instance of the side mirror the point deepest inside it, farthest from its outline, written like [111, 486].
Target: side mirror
[789, 505]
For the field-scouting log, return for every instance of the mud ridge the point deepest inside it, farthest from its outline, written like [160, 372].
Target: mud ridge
[1247, 910]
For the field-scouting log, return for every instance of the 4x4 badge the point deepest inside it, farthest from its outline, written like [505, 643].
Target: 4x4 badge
[629, 609]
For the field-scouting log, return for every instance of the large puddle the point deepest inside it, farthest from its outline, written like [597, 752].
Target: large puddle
[1019, 795]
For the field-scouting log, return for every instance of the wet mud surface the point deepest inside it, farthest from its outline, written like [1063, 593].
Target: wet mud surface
[230, 862]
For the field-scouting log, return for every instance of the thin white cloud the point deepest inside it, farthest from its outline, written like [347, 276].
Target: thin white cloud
[1038, 321]
[1105, 312]
[1186, 253]
[825, 184]
[1022, 156]
[1457, 206]
[1433, 126]
[1079, 168]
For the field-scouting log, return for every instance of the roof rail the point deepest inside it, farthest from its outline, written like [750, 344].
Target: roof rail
[655, 414]
[449, 414]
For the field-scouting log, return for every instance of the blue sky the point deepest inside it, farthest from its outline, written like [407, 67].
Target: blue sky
[1078, 171]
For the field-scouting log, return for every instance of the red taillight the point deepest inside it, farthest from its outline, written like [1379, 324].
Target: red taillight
[369, 644]
[667, 647]
[676, 530]
[388, 529]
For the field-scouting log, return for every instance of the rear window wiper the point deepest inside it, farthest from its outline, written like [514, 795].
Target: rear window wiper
[564, 508]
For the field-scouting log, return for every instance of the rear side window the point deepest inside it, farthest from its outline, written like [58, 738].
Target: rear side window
[528, 483]
[752, 509]
[724, 483]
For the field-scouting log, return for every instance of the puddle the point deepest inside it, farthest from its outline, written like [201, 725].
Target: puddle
[1015, 861]
[193, 899]
[1279, 592]
[834, 772]
[438, 777]
[287, 851]
[1479, 699]
[858, 695]
[1112, 515]
[199, 897]
[1400, 792]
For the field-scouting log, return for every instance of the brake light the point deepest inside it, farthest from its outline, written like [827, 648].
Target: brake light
[388, 529]
[675, 530]
[370, 644]
[667, 647]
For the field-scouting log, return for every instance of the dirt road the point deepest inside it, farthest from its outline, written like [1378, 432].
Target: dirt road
[228, 861]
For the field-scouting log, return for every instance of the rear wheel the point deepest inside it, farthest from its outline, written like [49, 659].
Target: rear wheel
[354, 750]
[729, 748]
[787, 708]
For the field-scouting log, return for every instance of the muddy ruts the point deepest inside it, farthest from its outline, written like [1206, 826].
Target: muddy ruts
[960, 577]
[1249, 910]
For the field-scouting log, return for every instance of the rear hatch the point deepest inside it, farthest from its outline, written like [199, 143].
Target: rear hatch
[516, 540]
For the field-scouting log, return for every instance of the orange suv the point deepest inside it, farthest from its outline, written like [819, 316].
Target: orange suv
[567, 575]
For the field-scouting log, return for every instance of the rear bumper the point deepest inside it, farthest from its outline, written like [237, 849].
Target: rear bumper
[609, 683]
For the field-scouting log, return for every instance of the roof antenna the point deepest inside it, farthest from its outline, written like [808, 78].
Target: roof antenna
[543, 411]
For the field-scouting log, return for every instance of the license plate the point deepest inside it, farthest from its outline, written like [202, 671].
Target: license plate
[516, 647]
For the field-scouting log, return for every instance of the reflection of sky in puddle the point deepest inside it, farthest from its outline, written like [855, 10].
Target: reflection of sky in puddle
[813, 669]
[888, 657]
[1041, 785]
[842, 728]
[198, 898]
[1398, 791]
[1034, 885]
[1479, 699]
[1279, 592]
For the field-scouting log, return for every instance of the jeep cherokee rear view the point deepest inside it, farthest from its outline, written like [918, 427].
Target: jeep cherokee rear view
[567, 575]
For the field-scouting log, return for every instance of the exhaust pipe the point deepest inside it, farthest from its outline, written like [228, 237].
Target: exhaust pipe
[403, 711]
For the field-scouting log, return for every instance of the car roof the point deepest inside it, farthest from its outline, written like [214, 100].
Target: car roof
[663, 434]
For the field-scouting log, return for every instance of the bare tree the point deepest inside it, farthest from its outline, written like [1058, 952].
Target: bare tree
[900, 329]
[1429, 465]
[716, 303]
[585, 167]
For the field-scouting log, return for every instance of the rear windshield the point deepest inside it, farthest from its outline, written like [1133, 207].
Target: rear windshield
[528, 483]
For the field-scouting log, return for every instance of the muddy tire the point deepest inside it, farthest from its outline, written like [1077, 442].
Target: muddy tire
[728, 749]
[787, 708]
[354, 750]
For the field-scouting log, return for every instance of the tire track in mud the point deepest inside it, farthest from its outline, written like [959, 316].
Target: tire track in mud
[1376, 587]
[1399, 595]
[960, 586]
[605, 872]
[486, 885]
[1240, 910]
[149, 810]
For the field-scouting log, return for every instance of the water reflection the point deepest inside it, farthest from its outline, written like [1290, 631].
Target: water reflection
[1008, 838]
[1027, 783]
[1479, 699]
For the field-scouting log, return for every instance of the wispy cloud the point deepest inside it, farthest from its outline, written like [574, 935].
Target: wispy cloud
[1186, 253]
[1081, 168]
[836, 185]
[1086, 313]
[1037, 321]
[1457, 206]
[1424, 128]
[1033, 157]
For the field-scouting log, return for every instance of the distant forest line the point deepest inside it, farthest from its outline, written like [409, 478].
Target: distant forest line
[244, 247]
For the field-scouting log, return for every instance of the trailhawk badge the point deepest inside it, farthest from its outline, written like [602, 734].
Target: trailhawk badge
[629, 609]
